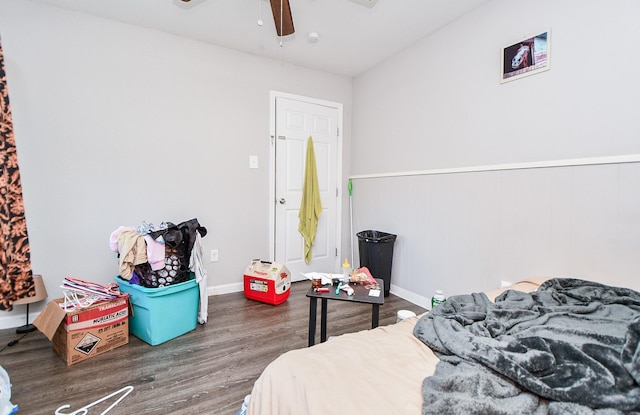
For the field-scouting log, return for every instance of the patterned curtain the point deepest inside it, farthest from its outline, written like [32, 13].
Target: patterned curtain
[16, 280]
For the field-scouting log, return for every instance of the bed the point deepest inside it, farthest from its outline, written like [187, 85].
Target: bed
[391, 369]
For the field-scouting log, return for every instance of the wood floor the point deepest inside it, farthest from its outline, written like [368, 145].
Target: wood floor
[206, 371]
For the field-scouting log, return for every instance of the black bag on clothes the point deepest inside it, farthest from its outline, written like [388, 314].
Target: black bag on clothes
[178, 241]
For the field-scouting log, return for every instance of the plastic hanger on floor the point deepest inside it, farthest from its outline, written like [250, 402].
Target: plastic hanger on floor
[85, 409]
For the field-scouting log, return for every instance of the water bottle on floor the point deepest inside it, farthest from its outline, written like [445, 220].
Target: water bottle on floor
[6, 407]
[245, 406]
[437, 299]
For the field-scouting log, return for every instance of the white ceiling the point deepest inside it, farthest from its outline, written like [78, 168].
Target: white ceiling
[353, 35]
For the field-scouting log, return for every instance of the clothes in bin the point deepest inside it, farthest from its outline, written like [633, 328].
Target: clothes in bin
[178, 242]
[158, 257]
[267, 282]
[161, 314]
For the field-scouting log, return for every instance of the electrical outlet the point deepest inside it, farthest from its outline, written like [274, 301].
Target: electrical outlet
[214, 255]
[504, 283]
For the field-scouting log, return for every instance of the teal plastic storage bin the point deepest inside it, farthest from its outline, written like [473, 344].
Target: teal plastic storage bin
[162, 314]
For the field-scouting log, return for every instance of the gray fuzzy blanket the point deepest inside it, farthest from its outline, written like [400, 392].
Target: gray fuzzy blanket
[571, 347]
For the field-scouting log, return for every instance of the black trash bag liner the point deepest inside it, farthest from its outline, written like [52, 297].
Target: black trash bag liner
[178, 240]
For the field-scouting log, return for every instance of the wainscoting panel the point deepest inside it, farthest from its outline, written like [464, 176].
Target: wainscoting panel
[468, 231]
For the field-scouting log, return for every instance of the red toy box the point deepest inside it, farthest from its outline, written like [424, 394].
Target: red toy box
[267, 282]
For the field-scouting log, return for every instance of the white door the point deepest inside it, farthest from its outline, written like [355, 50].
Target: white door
[297, 119]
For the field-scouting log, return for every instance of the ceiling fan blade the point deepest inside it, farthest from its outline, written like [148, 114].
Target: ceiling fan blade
[285, 27]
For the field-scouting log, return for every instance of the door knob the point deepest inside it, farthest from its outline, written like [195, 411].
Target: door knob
[282, 201]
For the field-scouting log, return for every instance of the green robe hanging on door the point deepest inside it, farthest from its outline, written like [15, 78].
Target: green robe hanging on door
[311, 205]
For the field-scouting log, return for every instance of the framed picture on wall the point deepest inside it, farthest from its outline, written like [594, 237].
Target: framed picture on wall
[526, 57]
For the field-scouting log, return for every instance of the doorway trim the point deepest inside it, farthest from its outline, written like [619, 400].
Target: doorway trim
[273, 96]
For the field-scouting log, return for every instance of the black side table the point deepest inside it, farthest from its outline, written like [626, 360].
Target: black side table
[361, 295]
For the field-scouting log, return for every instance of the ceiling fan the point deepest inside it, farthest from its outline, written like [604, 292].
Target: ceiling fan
[282, 17]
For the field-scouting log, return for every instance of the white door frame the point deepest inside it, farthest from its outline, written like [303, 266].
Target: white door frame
[272, 170]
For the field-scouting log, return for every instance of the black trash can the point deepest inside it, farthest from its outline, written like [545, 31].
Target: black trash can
[376, 253]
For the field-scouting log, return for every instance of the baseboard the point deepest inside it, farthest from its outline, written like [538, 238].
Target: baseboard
[225, 289]
[12, 321]
[416, 299]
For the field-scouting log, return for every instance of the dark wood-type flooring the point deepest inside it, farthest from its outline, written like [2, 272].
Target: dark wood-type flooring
[206, 371]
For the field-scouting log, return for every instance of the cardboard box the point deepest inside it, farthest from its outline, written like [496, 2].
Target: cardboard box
[267, 282]
[78, 335]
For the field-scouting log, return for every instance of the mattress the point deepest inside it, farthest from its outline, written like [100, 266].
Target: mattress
[378, 371]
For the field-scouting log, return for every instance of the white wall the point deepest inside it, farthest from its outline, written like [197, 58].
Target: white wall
[116, 124]
[102, 110]
[444, 107]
